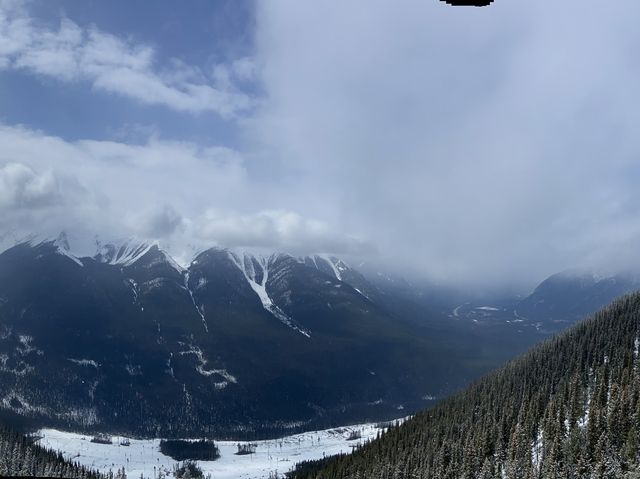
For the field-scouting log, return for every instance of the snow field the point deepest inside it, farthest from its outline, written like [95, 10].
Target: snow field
[144, 456]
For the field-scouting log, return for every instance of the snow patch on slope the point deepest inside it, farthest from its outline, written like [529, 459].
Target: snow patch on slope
[125, 254]
[26, 347]
[328, 263]
[258, 282]
[334, 263]
[18, 403]
[165, 258]
[9, 239]
[134, 289]
[193, 300]
[61, 243]
[84, 362]
[20, 367]
[201, 368]
[62, 247]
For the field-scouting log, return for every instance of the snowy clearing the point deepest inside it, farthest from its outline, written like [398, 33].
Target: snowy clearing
[144, 456]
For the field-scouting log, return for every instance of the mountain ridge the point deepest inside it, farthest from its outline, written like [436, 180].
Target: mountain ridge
[100, 334]
[240, 343]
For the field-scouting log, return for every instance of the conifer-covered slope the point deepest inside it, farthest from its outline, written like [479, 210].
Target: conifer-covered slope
[568, 408]
[19, 456]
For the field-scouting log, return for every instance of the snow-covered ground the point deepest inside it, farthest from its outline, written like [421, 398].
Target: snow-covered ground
[144, 456]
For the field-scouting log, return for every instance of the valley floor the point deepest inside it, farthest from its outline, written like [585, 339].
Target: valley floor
[144, 456]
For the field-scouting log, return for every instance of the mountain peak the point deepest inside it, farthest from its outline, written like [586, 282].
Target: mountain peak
[62, 242]
[125, 253]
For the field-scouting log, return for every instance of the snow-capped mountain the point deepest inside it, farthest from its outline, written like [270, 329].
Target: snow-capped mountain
[124, 254]
[127, 339]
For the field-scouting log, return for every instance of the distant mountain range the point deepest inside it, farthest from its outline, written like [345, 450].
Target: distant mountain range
[558, 302]
[239, 343]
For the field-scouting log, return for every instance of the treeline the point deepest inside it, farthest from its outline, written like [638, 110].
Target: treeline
[570, 408]
[20, 456]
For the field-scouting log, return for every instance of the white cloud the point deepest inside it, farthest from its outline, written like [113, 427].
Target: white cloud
[186, 196]
[276, 230]
[158, 223]
[111, 64]
[244, 69]
[485, 146]
[23, 188]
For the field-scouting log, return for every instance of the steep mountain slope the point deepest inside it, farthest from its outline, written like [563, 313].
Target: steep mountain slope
[129, 341]
[568, 408]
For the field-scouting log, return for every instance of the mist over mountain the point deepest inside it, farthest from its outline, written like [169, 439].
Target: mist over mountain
[244, 343]
[250, 126]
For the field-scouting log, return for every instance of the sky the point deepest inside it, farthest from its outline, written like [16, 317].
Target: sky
[485, 147]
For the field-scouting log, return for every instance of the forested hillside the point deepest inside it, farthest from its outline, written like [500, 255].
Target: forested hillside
[568, 408]
[19, 456]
